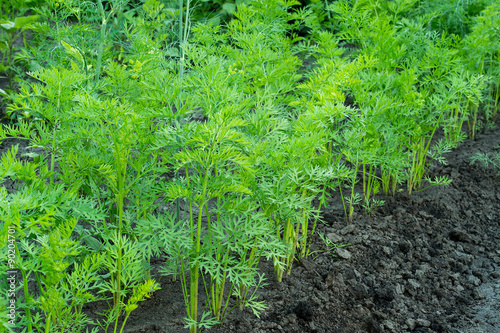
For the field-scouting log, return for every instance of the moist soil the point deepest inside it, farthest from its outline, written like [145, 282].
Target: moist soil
[429, 262]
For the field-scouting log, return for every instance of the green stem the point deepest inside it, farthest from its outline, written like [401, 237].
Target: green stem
[316, 221]
[118, 310]
[24, 40]
[183, 282]
[305, 226]
[120, 228]
[181, 74]
[220, 296]
[101, 43]
[122, 169]
[39, 282]
[47, 323]
[351, 200]
[11, 63]
[418, 167]
[26, 291]
[472, 122]
[124, 321]
[496, 93]
[54, 138]
[294, 247]
[369, 187]
[191, 218]
[195, 272]
[343, 202]
[364, 181]
[394, 184]
[181, 41]
[242, 296]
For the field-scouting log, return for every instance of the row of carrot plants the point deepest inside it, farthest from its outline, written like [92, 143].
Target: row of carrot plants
[214, 146]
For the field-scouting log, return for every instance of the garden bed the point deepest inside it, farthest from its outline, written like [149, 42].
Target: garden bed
[159, 159]
[429, 262]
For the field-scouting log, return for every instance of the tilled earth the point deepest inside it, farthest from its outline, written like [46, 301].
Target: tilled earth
[429, 262]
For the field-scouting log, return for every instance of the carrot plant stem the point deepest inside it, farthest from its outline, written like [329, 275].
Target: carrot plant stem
[101, 42]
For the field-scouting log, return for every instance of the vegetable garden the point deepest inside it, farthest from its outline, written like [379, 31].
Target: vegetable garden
[230, 151]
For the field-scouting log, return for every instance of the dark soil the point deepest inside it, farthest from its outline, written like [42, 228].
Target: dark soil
[429, 262]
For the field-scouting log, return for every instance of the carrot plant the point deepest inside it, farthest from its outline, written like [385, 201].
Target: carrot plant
[487, 159]
[44, 218]
[483, 51]
[106, 14]
[12, 30]
[219, 237]
[316, 128]
[95, 143]
[59, 86]
[46, 249]
[268, 77]
[284, 203]
[297, 167]
[397, 91]
[454, 16]
[119, 131]
[264, 63]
